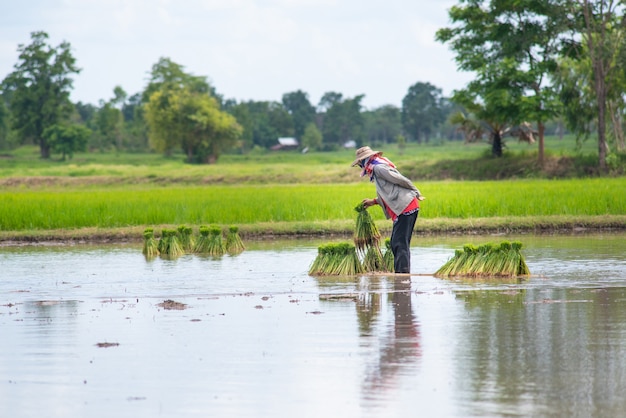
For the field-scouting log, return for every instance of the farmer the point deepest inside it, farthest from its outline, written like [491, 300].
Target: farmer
[398, 198]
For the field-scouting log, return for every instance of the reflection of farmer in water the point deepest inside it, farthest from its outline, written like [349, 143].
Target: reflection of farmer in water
[399, 346]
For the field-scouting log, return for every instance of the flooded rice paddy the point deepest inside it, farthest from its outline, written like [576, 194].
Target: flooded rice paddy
[98, 331]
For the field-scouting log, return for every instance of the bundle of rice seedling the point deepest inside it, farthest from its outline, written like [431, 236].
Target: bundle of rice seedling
[347, 261]
[150, 244]
[185, 238]
[169, 246]
[216, 245]
[388, 256]
[448, 268]
[480, 260]
[366, 233]
[336, 259]
[234, 245]
[488, 260]
[203, 242]
[373, 259]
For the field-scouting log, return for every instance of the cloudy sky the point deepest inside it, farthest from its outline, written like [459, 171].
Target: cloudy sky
[248, 49]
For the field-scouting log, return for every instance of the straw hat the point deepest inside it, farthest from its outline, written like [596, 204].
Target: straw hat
[363, 153]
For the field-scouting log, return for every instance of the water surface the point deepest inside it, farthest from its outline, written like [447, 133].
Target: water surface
[83, 334]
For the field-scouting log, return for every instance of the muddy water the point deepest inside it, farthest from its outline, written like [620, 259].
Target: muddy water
[84, 333]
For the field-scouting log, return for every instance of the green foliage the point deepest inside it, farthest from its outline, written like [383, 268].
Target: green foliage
[342, 120]
[382, 125]
[66, 139]
[192, 121]
[422, 111]
[38, 89]
[301, 110]
[312, 137]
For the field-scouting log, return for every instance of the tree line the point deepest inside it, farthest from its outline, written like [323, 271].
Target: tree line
[181, 111]
[536, 65]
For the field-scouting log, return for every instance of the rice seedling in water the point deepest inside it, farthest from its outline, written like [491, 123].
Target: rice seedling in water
[150, 244]
[234, 245]
[388, 256]
[169, 246]
[185, 238]
[366, 233]
[203, 242]
[373, 259]
[336, 259]
[488, 260]
[216, 245]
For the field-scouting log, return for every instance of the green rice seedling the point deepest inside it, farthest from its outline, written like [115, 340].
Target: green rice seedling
[522, 268]
[216, 243]
[447, 268]
[388, 256]
[150, 244]
[348, 262]
[480, 261]
[234, 245]
[203, 242]
[488, 260]
[185, 237]
[373, 260]
[336, 259]
[366, 233]
[169, 245]
[319, 264]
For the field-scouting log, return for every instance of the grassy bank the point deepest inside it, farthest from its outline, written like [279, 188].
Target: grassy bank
[100, 197]
[310, 209]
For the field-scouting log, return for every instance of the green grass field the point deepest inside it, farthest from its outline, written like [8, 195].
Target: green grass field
[291, 191]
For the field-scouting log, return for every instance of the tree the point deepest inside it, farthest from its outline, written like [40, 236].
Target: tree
[491, 101]
[528, 33]
[263, 122]
[602, 28]
[422, 112]
[109, 119]
[382, 125]
[4, 125]
[67, 139]
[39, 87]
[192, 121]
[343, 120]
[312, 138]
[301, 110]
[168, 75]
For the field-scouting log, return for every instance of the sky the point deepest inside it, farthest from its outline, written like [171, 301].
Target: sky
[248, 49]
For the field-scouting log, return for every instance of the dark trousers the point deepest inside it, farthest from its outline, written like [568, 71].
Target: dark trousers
[401, 242]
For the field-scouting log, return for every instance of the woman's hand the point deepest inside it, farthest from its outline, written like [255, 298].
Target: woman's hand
[368, 202]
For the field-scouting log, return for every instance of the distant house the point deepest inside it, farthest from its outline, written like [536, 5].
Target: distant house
[285, 144]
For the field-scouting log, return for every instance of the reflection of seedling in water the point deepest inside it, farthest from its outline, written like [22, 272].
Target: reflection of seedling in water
[336, 259]
[487, 260]
[185, 238]
[234, 245]
[150, 244]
